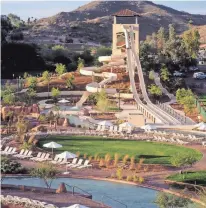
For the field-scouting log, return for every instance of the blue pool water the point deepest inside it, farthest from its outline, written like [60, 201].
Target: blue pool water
[132, 196]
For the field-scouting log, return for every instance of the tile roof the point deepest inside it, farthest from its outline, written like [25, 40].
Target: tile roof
[126, 13]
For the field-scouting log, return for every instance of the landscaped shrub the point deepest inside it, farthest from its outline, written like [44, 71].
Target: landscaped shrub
[78, 154]
[126, 157]
[141, 179]
[26, 146]
[129, 178]
[85, 155]
[116, 159]
[107, 159]
[135, 179]
[102, 163]
[11, 167]
[90, 158]
[139, 165]
[119, 174]
[132, 163]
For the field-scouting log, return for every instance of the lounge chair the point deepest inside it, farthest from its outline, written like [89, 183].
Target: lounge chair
[28, 155]
[38, 156]
[46, 158]
[64, 161]
[20, 154]
[98, 128]
[74, 162]
[86, 165]
[6, 150]
[54, 161]
[24, 154]
[41, 157]
[12, 152]
[78, 164]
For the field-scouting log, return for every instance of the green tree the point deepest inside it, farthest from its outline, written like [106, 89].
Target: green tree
[46, 171]
[22, 128]
[155, 90]
[161, 38]
[32, 82]
[69, 82]
[31, 95]
[191, 40]
[81, 63]
[181, 94]
[8, 98]
[172, 33]
[103, 103]
[55, 93]
[47, 78]
[151, 75]
[189, 104]
[60, 69]
[165, 74]
[165, 200]
[15, 20]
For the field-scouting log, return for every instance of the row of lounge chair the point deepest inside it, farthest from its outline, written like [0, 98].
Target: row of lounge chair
[171, 140]
[79, 164]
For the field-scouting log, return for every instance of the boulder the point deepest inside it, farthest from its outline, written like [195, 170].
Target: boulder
[61, 189]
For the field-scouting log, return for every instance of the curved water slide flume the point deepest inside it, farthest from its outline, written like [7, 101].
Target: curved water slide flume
[155, 110]
[107, 77]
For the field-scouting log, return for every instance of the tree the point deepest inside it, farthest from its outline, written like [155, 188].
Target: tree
[155, 90]
[151, 75]
[47, 78]
[180, 160]
[81, 63]
[60, 69]
[15, 20]
[181, 94]
[32, 82]
[191, 40]
[189, 104]
[55, 93]
[69, 82]
[165, 74]
[103, 103]
[161, 38]
[165, 200]
[8, 98]
[46, 171]
[31, 93]
[22, 128]
[172, 33]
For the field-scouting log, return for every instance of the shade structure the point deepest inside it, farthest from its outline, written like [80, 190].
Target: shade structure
[127, 125]
[64, 101]
[66, 155]
[199, 124]
[202, 127]
[77, 206]
[148, 127]
[52, 145]
[105, 123]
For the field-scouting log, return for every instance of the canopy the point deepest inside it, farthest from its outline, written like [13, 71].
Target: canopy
[105, 123]
[52, 145]
[199, 124]
[148, 127]
[127, 125]
[66, 155]
[77, 206]
[64, 101]
[202, 127]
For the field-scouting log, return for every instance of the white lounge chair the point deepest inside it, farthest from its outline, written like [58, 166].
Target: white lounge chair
[24, 154]
[54, 161]
[41, 157]
[6, 150]
[78, 164]
[28, 155]
[38, 156]
[46, 158]
[86, 165]
[74, 162]
[12, 152]
[20, 154]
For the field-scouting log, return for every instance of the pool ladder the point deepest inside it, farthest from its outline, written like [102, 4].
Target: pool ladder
[106, 196]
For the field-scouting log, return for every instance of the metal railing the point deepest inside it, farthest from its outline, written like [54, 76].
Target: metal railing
[76, 187]
[120, 203]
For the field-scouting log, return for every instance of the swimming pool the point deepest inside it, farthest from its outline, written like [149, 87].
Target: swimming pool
[132, 196]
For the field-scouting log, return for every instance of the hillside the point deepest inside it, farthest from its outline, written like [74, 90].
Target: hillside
[91, 23]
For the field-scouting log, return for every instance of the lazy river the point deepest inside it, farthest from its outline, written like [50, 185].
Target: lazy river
[131, 196]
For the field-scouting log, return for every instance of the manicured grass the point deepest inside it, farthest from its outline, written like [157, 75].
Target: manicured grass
[198, 178]
[154, 153]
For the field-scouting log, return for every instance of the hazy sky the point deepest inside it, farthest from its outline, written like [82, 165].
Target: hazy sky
[39, 9]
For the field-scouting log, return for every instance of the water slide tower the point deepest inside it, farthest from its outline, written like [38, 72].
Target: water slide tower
[122, 18]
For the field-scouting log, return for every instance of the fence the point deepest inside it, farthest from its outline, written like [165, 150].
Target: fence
[201, 107]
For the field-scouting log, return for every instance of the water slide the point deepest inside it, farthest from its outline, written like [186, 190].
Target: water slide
[131, 55]
[107, 77]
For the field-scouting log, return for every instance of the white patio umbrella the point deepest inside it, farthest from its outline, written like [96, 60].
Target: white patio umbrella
[127, 125]
[66, 155]
[64, 101]
[52, 145]
[148, 127]
[202, 127]
[105, 123]
[77, 206]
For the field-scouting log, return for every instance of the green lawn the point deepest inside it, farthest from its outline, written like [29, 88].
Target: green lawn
[154, 153]
[198, 177]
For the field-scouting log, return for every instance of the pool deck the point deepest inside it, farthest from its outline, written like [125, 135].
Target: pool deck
[60, 200]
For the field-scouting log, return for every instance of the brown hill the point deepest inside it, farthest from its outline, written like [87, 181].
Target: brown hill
[92, 22]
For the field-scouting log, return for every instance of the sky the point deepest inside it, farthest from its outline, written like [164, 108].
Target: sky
[40, 9]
